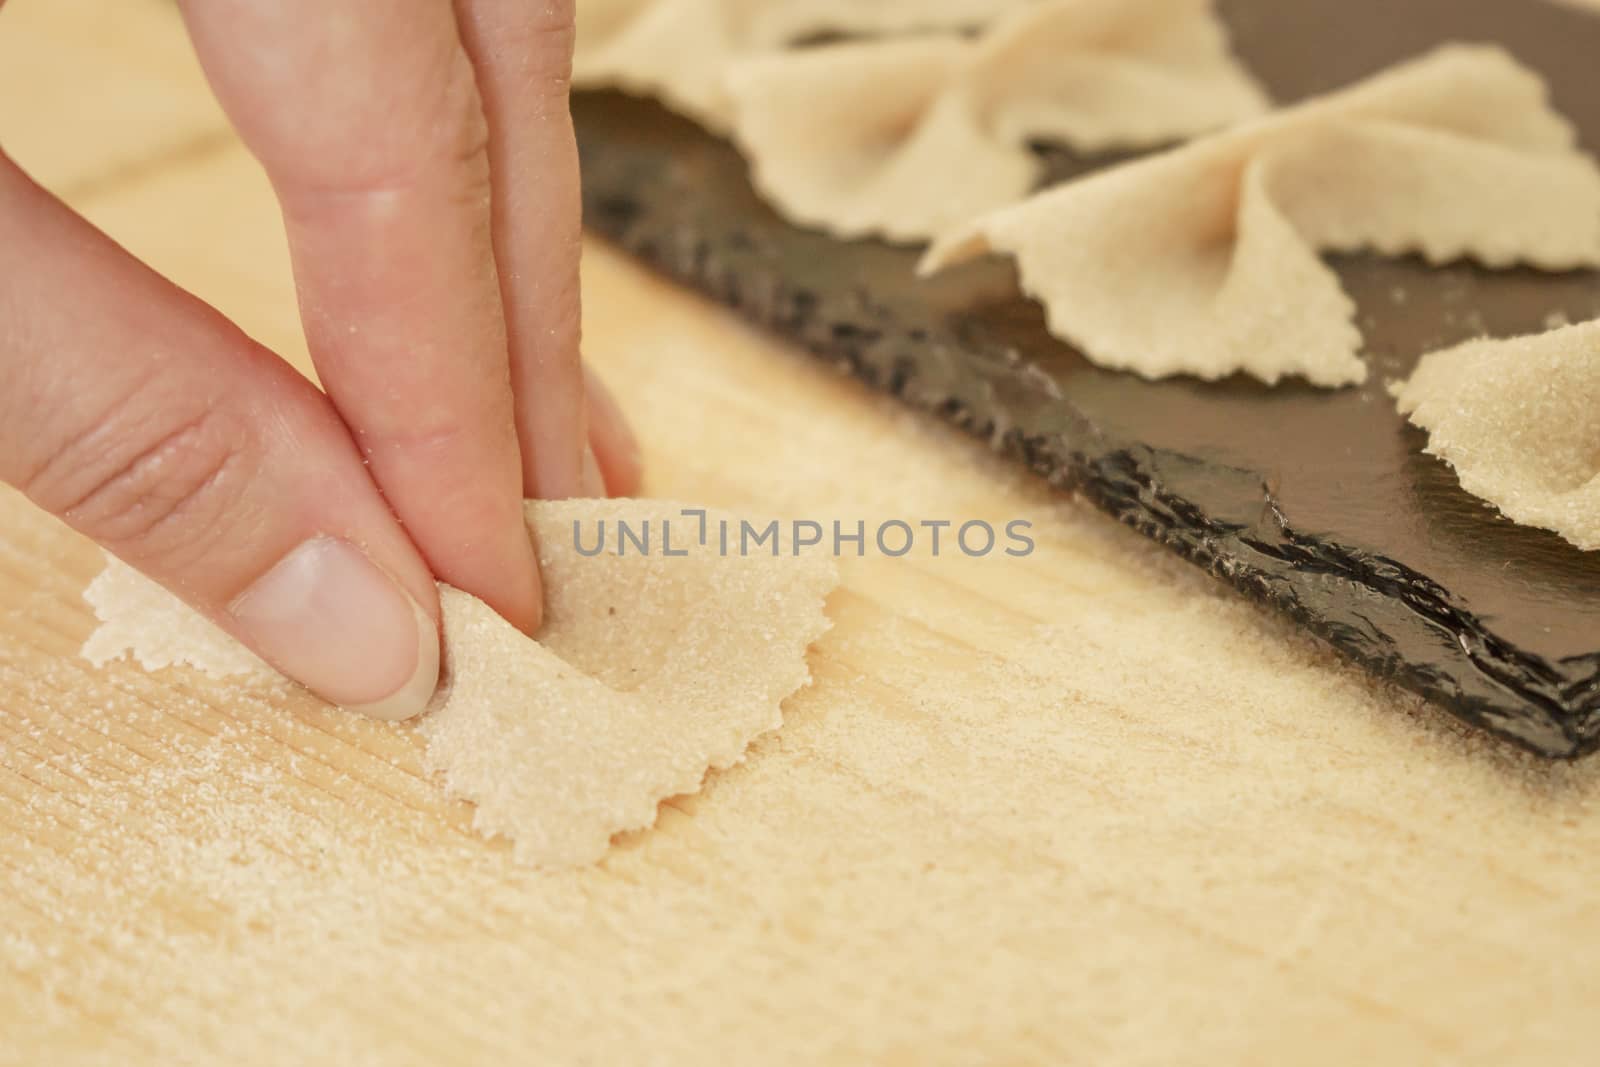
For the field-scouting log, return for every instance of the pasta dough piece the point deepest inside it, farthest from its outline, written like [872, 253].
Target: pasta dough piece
[650, 670]
[1204, 260]
[675, 50]
[141, 619]
[679, 50]
[1519, 420]
[906, 138]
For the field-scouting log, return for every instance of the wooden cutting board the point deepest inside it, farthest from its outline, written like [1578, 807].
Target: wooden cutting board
[1078, 807]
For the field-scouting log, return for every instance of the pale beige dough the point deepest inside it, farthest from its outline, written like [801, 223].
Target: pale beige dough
[1204, 260]
[680, 50]
[139, 618]
[649, 671]
[1519, 420]
[675, 50]
[906, 138]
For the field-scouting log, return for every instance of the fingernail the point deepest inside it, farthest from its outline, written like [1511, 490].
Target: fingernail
[594, 483]
[328, 617]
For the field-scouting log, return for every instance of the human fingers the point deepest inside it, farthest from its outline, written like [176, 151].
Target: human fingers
[146, 421]
[367, 119]
[523, 56]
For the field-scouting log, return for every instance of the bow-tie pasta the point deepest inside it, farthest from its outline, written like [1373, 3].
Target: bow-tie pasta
[679, 50]
[905, 138]
[1205, 260]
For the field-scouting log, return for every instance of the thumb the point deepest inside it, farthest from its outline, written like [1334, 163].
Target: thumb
[146, 421]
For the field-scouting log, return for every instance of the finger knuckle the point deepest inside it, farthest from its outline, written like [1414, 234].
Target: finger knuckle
[441, 433]
[459, 132]
[547, 41]
[551, 25]
[432, 127]
[532, 42]
[159, 487]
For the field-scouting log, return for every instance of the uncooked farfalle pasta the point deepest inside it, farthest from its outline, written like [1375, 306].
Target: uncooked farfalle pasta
[1204, 260]
[679, 50]
[904, 138]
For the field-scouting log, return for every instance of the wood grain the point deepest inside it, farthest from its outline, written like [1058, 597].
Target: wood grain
[1074, 808]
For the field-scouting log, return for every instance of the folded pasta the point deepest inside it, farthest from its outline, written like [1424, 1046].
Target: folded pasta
[651, 669]
[1519, 420]
[679, 50]
[907, 137]
[1204, 260]
[661, 656]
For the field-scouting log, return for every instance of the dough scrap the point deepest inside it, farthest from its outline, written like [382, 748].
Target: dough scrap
[680, 50]
[1204, 260]
[1519, 420]
[649, 671]
[906, 138]
[140, 619]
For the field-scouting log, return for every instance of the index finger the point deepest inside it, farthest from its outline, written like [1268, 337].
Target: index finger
[367, 119]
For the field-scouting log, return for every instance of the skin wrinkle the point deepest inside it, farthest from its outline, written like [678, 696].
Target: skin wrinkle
[214, 488]
[180, 437]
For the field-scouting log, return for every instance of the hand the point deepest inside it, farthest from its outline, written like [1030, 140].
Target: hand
[424, 160]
